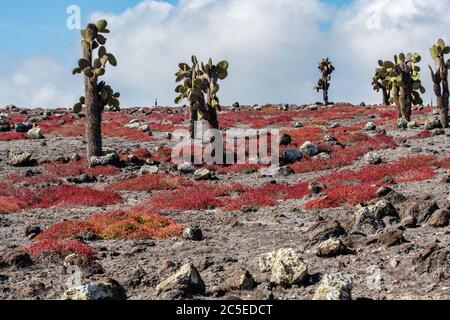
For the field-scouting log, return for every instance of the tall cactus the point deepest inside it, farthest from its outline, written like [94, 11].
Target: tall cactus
[97, 94]
[200, 88]
[380, 82]
[440, 78]
[326, 68]
[404, 79]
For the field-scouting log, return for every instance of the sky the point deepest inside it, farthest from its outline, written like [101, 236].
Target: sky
[273, 46]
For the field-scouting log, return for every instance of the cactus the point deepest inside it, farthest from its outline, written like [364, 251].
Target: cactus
[440, 78]
[379, 82]
[200, 88]
[404, 80]
[326, 68]
[98, 95]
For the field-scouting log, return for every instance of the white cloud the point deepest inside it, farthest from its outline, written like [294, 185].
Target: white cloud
[273, 48]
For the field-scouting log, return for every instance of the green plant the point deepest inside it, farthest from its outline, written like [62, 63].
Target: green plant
[440, 78]
[200, 87]
[379, 82]
[404, 80]
[97, 94]
[326, 68]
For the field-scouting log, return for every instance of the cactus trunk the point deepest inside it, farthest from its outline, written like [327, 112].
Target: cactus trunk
[193, 121]
[385, 96]
[93, 113]
[440, 85]
[325, 97]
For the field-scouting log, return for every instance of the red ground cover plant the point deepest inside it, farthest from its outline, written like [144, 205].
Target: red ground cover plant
[150, 182]
[11, 135]
[445, 163]
[142, 153]
[61, 196]
[355, 186]
[118, 224]
[51, 247]
[75, 168]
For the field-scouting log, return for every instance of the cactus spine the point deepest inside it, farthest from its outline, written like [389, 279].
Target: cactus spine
[380, 82]
[404, 79]
[97, 95]
[326, 68]
[200, 88]
[440, 79]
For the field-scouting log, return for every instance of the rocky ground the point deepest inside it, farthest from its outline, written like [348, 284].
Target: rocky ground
[396, 246]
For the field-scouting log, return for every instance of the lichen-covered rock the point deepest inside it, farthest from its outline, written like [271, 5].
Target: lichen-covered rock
[432, 123]
[146, 169]
[204, 174]
[35, 133]
[310, 149]
[186, 280]
[331, 248]
[186, 168]
[18, 158]
[368, 220]
[334, 286]
[109, 159]
[108, 289]
[286, 267]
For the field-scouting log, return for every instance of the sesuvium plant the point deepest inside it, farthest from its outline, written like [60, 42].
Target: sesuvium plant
[379, 82]
[98, 95]
[404, 80]
[326, 68]
[200, 87]
[440, 78]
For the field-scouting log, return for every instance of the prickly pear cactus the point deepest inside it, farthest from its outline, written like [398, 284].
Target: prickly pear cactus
[380, 82]
[93, 67]
[326, 68]
[404, 80]
[440, 78]
[200, 87]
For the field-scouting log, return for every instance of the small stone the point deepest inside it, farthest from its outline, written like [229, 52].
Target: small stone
[372, 158]
[18, 259]
[35, 133]
[204, 174]
[316, 188]
[402, 123]
[438, 132]
[144, 128]
[421, 209]
[146, 169]
[334, 286]
[240, 279]
[391, 237]
[285, 140]
[331, 248]
[309, 148]
[298, 125]
[108, 289]
[19, 159]
[329, 138]
[432, 123]
[370, 126]
[291, 156]
[187, 281]
[335, 125]
[109, 159]
[439, 219]
[409, 222]
[32, 231]
[193, 234]
[186, 168]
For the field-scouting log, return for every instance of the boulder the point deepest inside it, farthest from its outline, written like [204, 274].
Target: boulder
[421, 209]
[107, 289]
[109, 159]
[285, 266]
[331, 248]
[325, 230]
[310, 149]
[240, 279]
[193, 234]
[18, 158]
[439, 219]
[186, 168]
[291, 156]
[186, 281]
[334, 286]
[368, 220]
[204, 174]
[146, 169]
[35, 133]
[285, 139]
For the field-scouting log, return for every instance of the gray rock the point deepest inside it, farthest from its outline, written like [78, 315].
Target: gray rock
[298, 125]
[372, 158]
[370, 126]
[22, 127]
[334, 286]
[19, 159]
[204, 174]
[193, 234]
[368, 220]
[309, 148]
[291, 156]
[109, 159]
[285, 266]
[146, 169]
[187, 281]
[402, 123]
[186, 168]
[108, 289]
[35, 133]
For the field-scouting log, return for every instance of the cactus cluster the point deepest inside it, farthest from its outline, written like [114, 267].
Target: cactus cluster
[326, 68]
[379, 82]
[440, 78]
[200, 87]
[93, 68]
[403, 78]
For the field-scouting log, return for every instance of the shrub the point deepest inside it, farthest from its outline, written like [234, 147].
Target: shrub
[150, 182]
[340, 195]
[44, 248]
